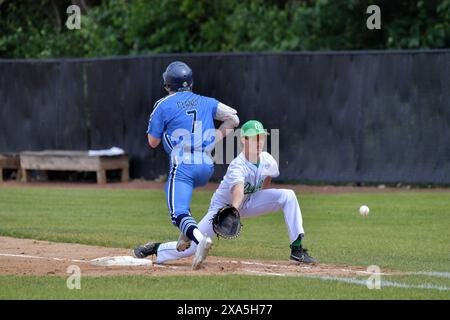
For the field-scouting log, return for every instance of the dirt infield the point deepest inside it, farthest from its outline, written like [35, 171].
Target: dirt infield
[139, 184]
[33, 257]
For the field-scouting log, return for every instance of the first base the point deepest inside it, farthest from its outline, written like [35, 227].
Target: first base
[121, 261]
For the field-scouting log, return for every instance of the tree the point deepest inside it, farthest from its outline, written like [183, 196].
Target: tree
[35, 29]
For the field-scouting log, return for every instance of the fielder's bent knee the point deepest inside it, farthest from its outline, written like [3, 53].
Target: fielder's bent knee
[292, 193]
[287, 195]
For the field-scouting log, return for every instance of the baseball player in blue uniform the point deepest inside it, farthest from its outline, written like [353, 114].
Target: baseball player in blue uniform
[184, 122]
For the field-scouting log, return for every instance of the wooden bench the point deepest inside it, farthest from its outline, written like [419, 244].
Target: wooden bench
[9, 161]
[73, 161]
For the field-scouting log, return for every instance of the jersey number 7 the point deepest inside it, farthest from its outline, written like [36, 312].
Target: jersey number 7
[193, 114]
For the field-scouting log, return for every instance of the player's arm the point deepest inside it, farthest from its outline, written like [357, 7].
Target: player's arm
[266, 183]
[271, 171]
[229, 118]
[152, 141]
[155, 127]
[237, 195]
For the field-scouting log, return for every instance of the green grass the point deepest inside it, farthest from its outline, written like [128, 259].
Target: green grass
[407, 231]
[199, 287]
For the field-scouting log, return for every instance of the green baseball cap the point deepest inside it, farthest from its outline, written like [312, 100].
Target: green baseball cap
[252, 128]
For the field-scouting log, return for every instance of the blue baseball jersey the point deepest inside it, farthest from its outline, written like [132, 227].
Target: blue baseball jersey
[185, 122]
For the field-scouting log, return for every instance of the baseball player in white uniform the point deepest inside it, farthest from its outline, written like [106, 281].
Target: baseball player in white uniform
[245, 186]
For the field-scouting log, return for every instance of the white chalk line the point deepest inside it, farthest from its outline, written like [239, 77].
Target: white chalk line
[42, 258]
[299, 267]
[383, 283]
[355, 281]
[163, 266]
[70, 260]
[264, 273]
[420, 273]
[325, 278]
[429, 274]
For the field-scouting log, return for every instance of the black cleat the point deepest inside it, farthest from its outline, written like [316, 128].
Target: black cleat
[146, 250]
[301, 255]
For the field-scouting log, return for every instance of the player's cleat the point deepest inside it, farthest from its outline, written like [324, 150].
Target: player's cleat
[301, 255]
[183, 242]
[201, 252]
[146, 250]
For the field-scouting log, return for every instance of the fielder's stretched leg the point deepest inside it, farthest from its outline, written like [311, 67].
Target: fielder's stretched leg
[270, 200]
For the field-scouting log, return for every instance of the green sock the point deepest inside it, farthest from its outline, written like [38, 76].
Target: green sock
[297, 244]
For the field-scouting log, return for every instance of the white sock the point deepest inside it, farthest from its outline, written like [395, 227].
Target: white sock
[198, 235]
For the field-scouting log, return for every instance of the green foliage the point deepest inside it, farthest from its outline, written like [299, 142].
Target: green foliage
[31, 29]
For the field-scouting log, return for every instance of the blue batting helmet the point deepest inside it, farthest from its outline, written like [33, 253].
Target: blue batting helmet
[178, 76]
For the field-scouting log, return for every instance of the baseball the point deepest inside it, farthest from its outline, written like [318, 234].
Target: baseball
[364, 210]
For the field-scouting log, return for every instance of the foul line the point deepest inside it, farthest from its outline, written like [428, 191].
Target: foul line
[429, 274]
[383, 283]
[264, 273]
[24, 256]
[42, 258]
[299, 267]
[324, 278]
[357, 281]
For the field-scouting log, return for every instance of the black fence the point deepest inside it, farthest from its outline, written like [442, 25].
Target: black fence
[343, 117]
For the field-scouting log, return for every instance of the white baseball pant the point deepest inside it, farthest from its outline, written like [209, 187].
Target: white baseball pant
[259, 203]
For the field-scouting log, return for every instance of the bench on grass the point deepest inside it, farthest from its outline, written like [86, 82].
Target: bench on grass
[73, 161]
[9, 161]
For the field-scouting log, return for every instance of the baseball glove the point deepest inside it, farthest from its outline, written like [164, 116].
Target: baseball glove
[227, 222]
